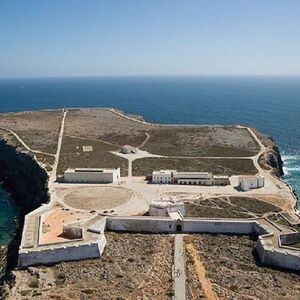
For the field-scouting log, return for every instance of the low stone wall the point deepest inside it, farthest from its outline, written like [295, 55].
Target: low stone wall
[289, 239]
[63, 253]
[278, 257]
[218, 226]
[141, 224]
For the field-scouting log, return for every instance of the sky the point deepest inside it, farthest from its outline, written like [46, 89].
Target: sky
[40, 38]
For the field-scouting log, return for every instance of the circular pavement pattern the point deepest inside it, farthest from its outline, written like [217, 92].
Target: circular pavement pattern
[97, 198]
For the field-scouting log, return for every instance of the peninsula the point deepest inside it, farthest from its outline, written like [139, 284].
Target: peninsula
[113, 207]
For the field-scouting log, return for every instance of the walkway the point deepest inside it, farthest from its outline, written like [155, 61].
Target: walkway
[179, 268]
[59, 143]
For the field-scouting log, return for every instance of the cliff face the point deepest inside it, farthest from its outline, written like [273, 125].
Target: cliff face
[271, 159]
[26, 181]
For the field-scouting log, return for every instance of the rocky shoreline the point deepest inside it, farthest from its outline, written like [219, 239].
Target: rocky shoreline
[26, 181]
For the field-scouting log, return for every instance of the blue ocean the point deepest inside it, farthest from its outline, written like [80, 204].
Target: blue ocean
[271, 104]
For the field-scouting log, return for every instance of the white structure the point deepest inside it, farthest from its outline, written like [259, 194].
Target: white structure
[92, 175]
[164, 207]
[172, 176]
[247, 183]
[162, 176]
[126, 149]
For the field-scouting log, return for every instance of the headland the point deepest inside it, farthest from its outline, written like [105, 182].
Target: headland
[136, 196]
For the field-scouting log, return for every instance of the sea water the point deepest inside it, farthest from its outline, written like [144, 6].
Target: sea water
[8, 213]
[271, 104]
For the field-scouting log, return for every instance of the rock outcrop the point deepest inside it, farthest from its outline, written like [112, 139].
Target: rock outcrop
[271, 159]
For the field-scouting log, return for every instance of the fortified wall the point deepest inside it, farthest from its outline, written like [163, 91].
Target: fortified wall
[271, 246]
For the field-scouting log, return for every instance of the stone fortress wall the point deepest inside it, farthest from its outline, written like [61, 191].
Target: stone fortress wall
[269, 247]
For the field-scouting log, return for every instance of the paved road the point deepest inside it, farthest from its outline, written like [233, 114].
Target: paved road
[179, 268]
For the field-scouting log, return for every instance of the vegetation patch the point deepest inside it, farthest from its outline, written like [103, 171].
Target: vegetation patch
[72, 156]
[145, 166]
[201, 141]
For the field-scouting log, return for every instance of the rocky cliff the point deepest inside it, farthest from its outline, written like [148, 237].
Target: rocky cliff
[271, 159]
[26, 181]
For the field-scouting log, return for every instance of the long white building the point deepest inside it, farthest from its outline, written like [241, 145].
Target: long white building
[91, 175]
[195, 178]
[172, 176]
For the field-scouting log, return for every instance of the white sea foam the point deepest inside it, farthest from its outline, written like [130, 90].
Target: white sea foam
[293, 169]
[290, 157]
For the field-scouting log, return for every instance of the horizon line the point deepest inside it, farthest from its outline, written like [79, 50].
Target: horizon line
[147, 75]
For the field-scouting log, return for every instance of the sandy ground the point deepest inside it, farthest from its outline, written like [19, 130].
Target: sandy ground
[52, 226]
[97, 198]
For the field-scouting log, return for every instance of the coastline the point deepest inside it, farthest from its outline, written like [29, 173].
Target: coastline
[27, 192]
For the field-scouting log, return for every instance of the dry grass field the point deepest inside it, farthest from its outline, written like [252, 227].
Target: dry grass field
[72, 155]
[234, 273]
[133, 266]
[106, 125]
[145, 166]
[201, 141]
[229, 207]
[38, 129]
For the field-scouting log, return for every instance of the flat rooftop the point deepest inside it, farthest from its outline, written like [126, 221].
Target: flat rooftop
[89, 170]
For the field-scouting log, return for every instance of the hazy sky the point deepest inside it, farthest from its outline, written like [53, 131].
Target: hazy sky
[148, 37]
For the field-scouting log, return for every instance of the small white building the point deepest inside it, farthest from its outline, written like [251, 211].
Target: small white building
[246, 183]
[164, 207]
[92, 175]
[126, 149]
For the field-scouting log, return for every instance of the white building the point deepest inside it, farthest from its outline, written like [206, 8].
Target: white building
[247, 183]
[164, 207]
[92, 175]
[172, 176]
[162, 176]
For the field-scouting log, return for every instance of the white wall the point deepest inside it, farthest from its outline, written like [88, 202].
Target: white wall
[140, 224]
[92, 177]
[64, 253]
[217, 226]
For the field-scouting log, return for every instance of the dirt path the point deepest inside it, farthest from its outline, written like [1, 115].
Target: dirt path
[24, 144]
[145, 141]
[201, 273]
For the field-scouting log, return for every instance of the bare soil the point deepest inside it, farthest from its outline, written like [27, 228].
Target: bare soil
[145, 166]
[96, 198]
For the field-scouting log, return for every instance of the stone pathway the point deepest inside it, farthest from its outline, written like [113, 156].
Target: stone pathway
[179, 268]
